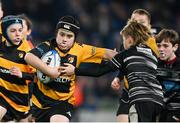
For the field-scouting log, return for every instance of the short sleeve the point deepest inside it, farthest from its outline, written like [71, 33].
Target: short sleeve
[92, 54]
[41, 49]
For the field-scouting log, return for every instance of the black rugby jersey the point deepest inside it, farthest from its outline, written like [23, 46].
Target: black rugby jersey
[169, 76]
[139, 64]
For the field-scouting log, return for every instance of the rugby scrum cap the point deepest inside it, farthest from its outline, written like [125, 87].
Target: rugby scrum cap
[6, 22]
[69, 23]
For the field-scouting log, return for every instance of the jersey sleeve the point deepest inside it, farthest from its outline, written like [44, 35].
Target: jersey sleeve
[93, 69]
[41, 49]
[117, 61]
[92, 54]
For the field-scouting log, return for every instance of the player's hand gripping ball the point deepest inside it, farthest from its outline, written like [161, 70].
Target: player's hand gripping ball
[51, 58]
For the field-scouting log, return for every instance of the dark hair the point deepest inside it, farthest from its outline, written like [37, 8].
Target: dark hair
[168, 34]
[28, 21]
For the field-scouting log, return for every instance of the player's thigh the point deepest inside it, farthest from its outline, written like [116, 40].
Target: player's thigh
[123, 110]
[123, 104]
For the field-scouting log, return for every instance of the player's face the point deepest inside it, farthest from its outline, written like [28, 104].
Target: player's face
[15, 33]
[127, 41]
[166, 50]
[65, 39]
[143, 19]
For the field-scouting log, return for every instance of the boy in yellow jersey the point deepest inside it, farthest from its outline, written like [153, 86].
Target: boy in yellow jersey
[53, 102]
[14, 71]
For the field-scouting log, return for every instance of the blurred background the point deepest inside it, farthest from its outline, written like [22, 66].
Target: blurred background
[101, 21]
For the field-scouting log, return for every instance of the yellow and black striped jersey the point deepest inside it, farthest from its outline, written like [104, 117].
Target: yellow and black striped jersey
[62, 88]
[13, 89]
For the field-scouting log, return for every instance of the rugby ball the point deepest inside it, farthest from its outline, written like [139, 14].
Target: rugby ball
[51, 58]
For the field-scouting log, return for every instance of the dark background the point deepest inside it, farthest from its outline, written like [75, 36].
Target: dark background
[101, 20]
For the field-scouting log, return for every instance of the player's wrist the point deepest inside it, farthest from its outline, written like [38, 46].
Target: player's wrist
[76, 71]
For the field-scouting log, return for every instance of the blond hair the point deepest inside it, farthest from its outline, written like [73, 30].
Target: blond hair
[137, 31]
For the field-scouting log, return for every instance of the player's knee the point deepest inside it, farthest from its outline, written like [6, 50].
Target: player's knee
[59, 118]
[2, 112]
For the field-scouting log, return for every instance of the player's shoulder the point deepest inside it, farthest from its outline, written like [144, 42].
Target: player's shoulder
[82, 45]
[78, 44]
[151, 39]
[25, 46]
[44, 43]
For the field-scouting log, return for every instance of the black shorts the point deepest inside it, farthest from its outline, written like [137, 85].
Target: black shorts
[123, 103]
[44, 115]
[11, 113]
[146, 111]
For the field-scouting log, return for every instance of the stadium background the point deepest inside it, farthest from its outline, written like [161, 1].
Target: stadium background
[101, 21]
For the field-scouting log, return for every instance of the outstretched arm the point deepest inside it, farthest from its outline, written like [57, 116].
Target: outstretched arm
[87, 69]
